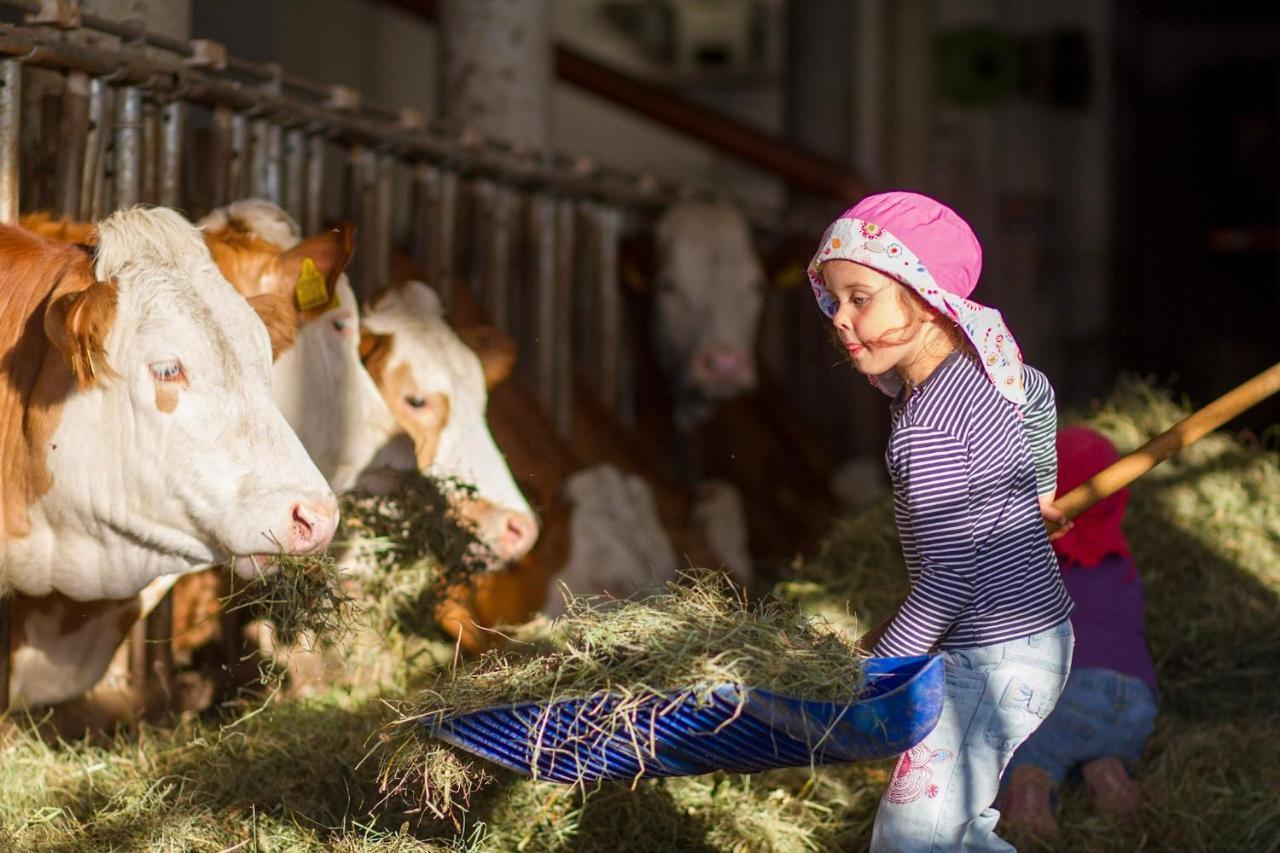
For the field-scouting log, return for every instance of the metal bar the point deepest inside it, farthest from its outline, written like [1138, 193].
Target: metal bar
[73, 128]
[256, 183]
[171, 138]
[562, 410]
[422, 203]
[265, 168]
[149, 180]
[377, 272]
[315, 185]
[444, 229]
[607, 225]
[295, 164]
[10, 174]
[95, 149]
[498, 255]
[219, 170]
[238, 164]
[128, 151]
[547, 329]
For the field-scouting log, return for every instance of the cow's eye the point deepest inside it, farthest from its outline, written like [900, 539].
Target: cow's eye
[167, 371]
[415, 401]
[339, 325]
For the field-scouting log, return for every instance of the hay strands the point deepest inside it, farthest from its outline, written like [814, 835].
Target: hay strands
[726, 727]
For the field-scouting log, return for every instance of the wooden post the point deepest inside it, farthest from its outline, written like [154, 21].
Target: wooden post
[73, 131]
[10, 164]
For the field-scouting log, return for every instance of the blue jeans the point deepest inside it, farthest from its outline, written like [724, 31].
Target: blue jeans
[940, 795]
[1102, 712]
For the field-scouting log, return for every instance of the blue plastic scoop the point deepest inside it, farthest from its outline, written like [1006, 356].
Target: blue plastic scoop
[727, 727]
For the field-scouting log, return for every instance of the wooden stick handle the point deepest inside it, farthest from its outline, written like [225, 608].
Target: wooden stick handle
[1185, 432]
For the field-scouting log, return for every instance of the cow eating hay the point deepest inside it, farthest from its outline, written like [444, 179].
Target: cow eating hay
[697, 634]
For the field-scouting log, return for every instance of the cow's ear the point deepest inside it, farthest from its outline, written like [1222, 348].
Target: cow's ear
[78, 324]
[310, 269]
[497, 351]
[278, 314]
[375, 349]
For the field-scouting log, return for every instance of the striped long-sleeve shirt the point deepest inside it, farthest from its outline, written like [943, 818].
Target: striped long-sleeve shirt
[967, 466]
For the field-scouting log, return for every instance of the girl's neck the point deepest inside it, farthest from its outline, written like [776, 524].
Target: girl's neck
[914, 371]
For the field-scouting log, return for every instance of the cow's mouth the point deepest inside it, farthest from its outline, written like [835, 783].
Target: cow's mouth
[253, 566]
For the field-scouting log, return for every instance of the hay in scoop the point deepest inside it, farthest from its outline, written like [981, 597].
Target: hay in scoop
[698, 634]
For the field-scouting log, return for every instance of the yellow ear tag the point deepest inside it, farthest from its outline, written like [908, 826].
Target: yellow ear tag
[790, 276]
[310, 289]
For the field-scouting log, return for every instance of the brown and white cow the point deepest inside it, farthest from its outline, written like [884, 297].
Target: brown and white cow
[141, 437]
[436, 388]
[61, 646]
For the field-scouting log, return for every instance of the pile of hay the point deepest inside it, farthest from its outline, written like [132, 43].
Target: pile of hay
[698, 634]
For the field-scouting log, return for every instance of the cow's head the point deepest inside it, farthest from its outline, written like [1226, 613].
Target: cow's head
[709, 293]
[172, 441]
[436, 388]
[318, 380]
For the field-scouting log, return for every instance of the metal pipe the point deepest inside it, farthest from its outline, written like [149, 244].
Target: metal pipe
[295, 163]
[546, 329]
[497, 274]
[171, 138]
[238, 164]
[10, 174]
[219, 171]
[607, 227]
[128, 152]
[378, 269]
[94, 203]
[444, 229]
[315, 185]
[149, 178]
[73, 129]
[562, 410]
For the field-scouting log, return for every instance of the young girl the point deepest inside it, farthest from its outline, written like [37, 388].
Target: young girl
[1108, 708]
[971, 459]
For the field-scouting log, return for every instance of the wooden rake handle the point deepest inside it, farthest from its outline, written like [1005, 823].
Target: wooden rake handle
[1185, 432]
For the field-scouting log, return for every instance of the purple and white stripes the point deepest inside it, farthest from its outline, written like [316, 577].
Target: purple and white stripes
[967, 466]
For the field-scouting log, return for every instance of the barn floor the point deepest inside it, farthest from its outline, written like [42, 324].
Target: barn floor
[298, 775]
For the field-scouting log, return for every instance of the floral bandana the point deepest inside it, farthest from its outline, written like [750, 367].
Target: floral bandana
[877, 233]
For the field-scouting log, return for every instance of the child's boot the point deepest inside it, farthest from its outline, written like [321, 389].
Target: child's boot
[1112, 789]
[1027, 804]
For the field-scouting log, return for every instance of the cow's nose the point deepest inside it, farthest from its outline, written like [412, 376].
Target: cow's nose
[314, 523]
[723, 364]
[519, 532]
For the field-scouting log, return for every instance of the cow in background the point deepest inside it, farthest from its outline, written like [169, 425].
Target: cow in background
[699, 279]
[708, 294]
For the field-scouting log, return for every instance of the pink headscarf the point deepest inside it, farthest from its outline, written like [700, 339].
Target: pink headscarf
[897, 233]
[1096, 532]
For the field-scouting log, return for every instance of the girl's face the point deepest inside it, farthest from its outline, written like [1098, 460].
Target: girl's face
[873, 326]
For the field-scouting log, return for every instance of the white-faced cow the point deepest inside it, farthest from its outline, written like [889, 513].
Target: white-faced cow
[436, 388]
[709, 294]
[141, 438]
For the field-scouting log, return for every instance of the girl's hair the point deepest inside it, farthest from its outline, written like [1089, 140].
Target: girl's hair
[918, 313]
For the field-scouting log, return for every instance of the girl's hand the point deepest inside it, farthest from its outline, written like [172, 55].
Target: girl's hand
[1054, 516]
